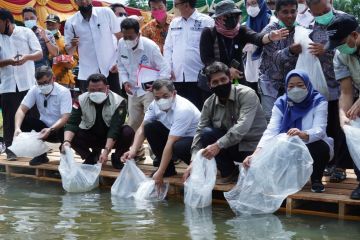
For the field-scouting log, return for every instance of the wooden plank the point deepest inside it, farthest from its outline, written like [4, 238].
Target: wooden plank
[342, 211]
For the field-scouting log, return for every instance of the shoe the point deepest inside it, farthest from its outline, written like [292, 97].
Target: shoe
[317, 187]
[156, 162]
[116, 162]
[39, 160]
[10, 156]
[355, 195]
[232, 178]
[338, 175]
[329, 170]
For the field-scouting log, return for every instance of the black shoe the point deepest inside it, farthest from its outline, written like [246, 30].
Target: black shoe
[356, 194]
[39, 160]
[317, 187]
[116, 162]
[338, 175]
[329, 170]
[156, 162]
[10, 156]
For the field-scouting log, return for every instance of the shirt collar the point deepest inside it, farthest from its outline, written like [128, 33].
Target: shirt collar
[140, 44]
[193, 15]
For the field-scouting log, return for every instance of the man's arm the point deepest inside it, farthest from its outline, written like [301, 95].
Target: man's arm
[346, 100]
[138, 141]
[19, 118]
[7, 62]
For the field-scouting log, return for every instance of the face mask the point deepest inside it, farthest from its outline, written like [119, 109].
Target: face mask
[30, 23]
[159, 15]
[325, 19]
[301, 7]
[98, 97]
[53, 32]
[297, 94]
[222, 91]
[346, 49]
[231, 22]
[85, 9]
[130, 44]
[164, 103]
[45, 89]
[253, 11]
[282, 24]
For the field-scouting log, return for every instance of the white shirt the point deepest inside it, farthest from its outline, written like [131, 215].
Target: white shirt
[59, 102]
[304, 19]
[147, 53]
[97, 50]
[182, 118]
[22, 41]
[313, 123]
[181, 49]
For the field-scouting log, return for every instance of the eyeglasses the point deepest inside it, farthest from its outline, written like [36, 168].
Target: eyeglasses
[179, 3]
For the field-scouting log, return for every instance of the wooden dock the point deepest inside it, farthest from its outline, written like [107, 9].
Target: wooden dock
[334, 202]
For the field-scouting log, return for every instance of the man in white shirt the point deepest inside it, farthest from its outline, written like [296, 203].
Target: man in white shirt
[135, 52]
[19, 48]
[91, 30]
[54, 104]
[304, 17]
[169, 126]
[182, 50]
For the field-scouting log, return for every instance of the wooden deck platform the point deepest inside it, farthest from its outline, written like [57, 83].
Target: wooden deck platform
[334, 202]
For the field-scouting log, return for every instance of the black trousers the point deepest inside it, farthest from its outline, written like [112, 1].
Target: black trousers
[157, 135]
[226, 157]
[10, 102]
[31, 123]
[191, 92]
[320, 152]
[333, 130]
[112, 79]
[85, 139]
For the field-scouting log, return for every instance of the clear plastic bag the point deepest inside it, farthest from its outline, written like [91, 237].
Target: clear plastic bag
[148, 191]
[200, 223]
[77, 177]
[280, 169]
[352, 133]
[199, 186]
[28, 144]
[128, 181]
[310, 63]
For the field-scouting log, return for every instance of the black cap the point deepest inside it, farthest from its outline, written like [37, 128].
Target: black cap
[52, 18]
[342, 26]
[225, 7]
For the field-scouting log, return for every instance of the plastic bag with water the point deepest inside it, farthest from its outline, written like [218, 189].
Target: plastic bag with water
[148, 191]
[128, 181]
[77, 177]
[280, 169]
[199, 186]
[310, 63]
[352, 133]
[28, 144]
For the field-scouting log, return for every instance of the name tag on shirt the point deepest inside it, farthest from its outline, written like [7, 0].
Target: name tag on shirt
[176, 28]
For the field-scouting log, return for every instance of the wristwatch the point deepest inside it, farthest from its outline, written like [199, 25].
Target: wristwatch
[220, 144]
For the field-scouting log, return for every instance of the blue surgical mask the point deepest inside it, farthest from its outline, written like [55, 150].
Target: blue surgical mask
[325, 19]
[30, 23]
[53, 32]
[346, 49]
[297, 94]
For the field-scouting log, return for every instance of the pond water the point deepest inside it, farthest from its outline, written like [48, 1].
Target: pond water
[31, 209]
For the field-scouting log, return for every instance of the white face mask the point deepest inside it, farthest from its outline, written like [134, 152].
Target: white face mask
[253, 11]
[164, 103]
[45, 89]
[98, 97]
[297, 94]
[30, 23]
[301, 7]
[130, 44]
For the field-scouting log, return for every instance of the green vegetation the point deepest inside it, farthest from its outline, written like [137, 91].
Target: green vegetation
[349, 6]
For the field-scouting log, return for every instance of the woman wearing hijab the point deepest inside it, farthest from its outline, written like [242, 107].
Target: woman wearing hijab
[225, 42]
[301, 111]
[259, 15]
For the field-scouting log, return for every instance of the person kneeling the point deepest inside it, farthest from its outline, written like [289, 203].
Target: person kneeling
[169, 126]
[54, 104]
[231, 124]
[301, 111]
[97, 122]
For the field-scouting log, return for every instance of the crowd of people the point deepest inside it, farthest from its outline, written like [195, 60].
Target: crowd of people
[184, 83]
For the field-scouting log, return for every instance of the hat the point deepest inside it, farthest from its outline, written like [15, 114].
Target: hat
[339, 29]
[225, 7]
[52, 18]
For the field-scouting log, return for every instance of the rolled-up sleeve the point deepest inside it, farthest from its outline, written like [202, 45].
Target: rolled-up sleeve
[341, 70]
[249, 104]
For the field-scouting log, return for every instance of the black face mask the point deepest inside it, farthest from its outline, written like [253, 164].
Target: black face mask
[85, 9]
[231, 22]
[223, 90]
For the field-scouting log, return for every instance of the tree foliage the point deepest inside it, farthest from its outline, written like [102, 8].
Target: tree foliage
[349, 6]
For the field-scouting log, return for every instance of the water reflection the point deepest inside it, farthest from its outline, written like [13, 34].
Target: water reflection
[259, 227]
[200, 223]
